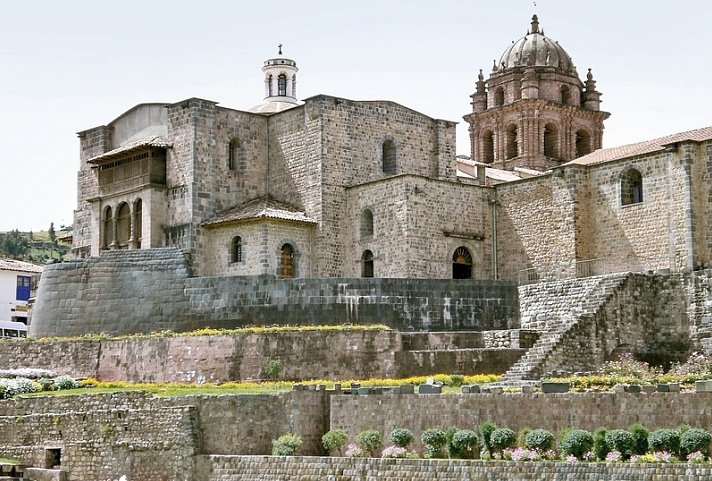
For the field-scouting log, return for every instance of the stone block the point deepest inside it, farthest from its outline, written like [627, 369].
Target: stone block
[648, 388]
[429, 389]
[527, 389]
[406, 389]
[555, 387]
[703, 386]
[632, 388]
[619, 388]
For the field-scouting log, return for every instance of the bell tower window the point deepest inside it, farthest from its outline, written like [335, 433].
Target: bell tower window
[551, 141]
[488, 147]
[282, 85]
[512, 142]
[583, 143]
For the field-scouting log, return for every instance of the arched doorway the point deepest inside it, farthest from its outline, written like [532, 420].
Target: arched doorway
[462, 263]
[286, 261]
[123, 225]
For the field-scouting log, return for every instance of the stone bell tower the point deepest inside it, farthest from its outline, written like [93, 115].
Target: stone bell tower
[280, 85]
[534, 111]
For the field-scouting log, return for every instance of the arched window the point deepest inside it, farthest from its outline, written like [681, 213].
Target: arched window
[367, 264]
[366, 223]
[583, 143]
[123, 225]
[488, 147]
[631, 187]
[138, 222]
[389, 157]
[499, 97]
[286, 261]
[107, 236]
[234, 154]
[282, 85]
[551, 141]
[565, 95]
[462, 263]
[236, 249]
[511, 142]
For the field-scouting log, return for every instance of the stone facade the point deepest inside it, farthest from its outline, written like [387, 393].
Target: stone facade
[226, 437]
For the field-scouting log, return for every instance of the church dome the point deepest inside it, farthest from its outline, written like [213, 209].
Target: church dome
[535, 49]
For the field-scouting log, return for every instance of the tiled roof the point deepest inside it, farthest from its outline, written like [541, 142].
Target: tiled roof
[641, 148]
[154, 141]
[19, 266]
[262, 208]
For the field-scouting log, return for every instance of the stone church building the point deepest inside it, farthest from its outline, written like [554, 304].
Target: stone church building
[361, 211]
[331, 187]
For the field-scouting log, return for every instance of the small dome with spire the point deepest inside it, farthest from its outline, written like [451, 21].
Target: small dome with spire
[536, 49]
[280, 85]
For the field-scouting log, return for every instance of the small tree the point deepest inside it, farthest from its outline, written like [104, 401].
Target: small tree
[640, 438]
[502, 438]
[600, 447]
[539, 439]
[401, 437]
[52, 234]
[434, 440]
[334, 440]
[370, 442]
[463, 444]
[576, 442]
[620, 440]
[695, 440]
[664, 440]
[486, 428]
[286, 445]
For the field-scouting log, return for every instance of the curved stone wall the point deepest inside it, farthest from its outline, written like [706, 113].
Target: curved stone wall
[149, 290]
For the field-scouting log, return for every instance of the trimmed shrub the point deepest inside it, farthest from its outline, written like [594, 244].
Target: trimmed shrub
[486, 428]
[370, 442]
[539, 439]
[401, 437]
[664, 440]
[65, 382]
[620, 440]
[640, 438]
[695, 440]
[502, 438]
[463, 444]
[576, 442]
[334, 440]
[600, 447]
[286, 445]
[434, 440]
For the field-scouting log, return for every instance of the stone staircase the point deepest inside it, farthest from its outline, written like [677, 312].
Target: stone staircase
[591, 294]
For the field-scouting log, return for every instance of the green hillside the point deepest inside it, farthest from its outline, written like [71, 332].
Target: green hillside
[37, 247]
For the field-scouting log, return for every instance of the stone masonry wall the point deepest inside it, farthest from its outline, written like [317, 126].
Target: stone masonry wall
[106, 443]
[118, 292]
[403, 304]
[420, 221]
[269, 468]
[516, 411]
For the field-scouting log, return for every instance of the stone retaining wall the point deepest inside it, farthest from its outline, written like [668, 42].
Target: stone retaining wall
[269, 468]
[148, 290]
[516, 411]
[335, 355]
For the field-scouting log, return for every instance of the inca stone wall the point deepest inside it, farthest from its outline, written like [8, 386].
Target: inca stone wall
[119, 292]
[269, 468]
[516, 411]
[105, 436]
[150, 290]
[334, 355]
[104, 440]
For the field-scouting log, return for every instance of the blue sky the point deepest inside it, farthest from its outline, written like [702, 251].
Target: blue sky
[72, 65]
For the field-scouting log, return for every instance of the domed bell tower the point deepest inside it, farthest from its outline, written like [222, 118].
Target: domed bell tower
[534, 111]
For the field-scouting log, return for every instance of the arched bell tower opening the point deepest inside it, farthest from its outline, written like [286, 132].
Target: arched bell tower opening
[536, 107]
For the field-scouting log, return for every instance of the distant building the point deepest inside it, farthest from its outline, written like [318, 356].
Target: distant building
[17, 280]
